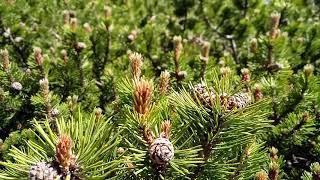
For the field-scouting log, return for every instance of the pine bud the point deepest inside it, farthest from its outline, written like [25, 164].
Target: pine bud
[19, 126]
[98, 113]
[147, 134]
[177, 42]
[275, 66]
[164, 82]
[73, 23]
[315, 168]
[253, 45]
[308, 70]
[182, 74]
[28, 71]
[161, 151]
[64, 55]
[17, 86]
[257, 92]
[142, 96]
[87, 27]
[37, 52]
[165, 129]
[107, 16]
[44, 87]
[261, 175]
[245, 75]
[52, 50]
[80, 46]
[72, 102]
[305, 116]
[136, 64]
[133, 35]
[301, 40]
[7, 33]
[120, 150]
[225, 71]
[152, 19]
[66, 17]
[35, 27]
[107, 12]
[205, 51]
[130, 164]
[196, 40]
[5, 59]
[2, 96]
[275, 19]
[274, 170]
[273, 153]
[249, 149]
[64, 154]
[18, 39]
[222, 63]
[274, 33]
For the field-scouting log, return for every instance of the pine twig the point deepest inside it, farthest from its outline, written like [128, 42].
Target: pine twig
[240, 166]
[233, 46]
[207, 146]
[270, 55]
[79, 66]
[203, 70]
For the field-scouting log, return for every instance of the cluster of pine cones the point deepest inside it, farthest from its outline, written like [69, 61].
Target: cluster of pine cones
[207, 96]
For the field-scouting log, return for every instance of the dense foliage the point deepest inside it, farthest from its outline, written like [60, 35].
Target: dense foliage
[139, 89]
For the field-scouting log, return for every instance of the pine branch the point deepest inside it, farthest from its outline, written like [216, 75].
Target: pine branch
[79, 67]
[207, 22]
[245, 10]
[293, 130]
[233, 46]
[98, 68]
[305, 53]
[292, 106]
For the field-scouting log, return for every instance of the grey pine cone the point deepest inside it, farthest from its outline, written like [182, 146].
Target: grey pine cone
[204, 94]
[17, 86]
[207, 96]
[161, 151]
[239, 100]
[43, 171]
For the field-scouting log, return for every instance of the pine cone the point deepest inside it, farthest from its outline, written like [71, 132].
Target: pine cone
[239, 100]
[17, 86]
[43, 171]
[161, 151]
[207, 96]
[204, 94]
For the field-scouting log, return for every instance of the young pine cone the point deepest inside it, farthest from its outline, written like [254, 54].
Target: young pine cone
[43, 170]
[161, 151]
[64, 155]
